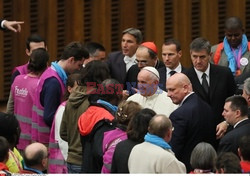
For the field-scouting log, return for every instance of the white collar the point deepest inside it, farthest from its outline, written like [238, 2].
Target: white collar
[240, 122]
[128, 59]
[177, 69]
[185, 98]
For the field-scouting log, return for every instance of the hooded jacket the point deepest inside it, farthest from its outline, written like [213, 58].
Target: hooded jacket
[76, 105]
[92, 125]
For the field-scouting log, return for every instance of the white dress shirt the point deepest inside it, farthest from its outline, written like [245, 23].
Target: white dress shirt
[168, 70]
[129, 61]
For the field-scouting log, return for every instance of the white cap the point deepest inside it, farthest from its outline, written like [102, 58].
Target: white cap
[152, 70]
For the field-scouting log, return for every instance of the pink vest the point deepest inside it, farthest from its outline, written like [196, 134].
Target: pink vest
[110, 140]
[23, 69]
[23, 92]
[57, 164]
[39, 128]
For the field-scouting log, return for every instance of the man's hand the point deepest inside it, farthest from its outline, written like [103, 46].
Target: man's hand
[14, 26]
[221, 129]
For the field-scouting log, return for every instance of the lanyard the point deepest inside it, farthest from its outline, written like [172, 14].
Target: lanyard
[237, 58]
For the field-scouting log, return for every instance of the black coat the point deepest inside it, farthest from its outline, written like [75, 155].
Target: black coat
[193, 123]
[117, 66]
[221, 86]
[121, 155]
[92, 159]
[230, 142]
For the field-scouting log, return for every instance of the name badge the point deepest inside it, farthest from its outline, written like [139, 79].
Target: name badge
[243, 61]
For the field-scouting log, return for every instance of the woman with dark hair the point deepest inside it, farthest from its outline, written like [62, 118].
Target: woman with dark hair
[23, 92]
[137, 129]
[91, 75]
[10, 129]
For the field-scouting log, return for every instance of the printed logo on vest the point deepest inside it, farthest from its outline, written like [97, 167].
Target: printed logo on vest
[23, 92]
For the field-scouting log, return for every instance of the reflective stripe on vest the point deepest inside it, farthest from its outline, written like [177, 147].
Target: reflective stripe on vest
[23, 119]
[57, 162]
[54, 145]
[35, 126]
[25, 136]
[38, 111]
[41, 129]
[108, 166]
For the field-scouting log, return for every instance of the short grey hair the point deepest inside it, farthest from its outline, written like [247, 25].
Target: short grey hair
[203, 157]
[199, 44]
[134, 32]
[246, 86]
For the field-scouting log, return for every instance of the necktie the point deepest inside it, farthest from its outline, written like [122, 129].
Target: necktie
[172, 72]
[205, 83]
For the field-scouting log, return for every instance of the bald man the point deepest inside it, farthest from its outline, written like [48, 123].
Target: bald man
[157, 157]
[150, 95]
[193, 120]
[35, 158]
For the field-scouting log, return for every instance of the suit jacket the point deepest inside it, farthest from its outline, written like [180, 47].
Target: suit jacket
[193, 123]
[117, 66]
[162, 71]
[221, 86]
[230, 142]
[131, 77]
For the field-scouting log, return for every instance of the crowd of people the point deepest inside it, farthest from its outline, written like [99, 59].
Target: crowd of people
[132, 112]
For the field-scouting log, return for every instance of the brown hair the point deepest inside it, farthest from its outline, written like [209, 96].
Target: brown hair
[126, 111]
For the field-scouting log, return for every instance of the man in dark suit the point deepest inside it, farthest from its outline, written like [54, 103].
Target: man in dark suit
[193, 121]
[210, 82]
[14, 26]
[119, 62]
[146, 55]
[235, 113]
[171, 55]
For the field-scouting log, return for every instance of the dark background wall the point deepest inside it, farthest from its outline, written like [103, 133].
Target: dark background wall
[62, 21]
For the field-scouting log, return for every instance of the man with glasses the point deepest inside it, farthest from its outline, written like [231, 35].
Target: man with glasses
[146, 55]
[233, 52]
